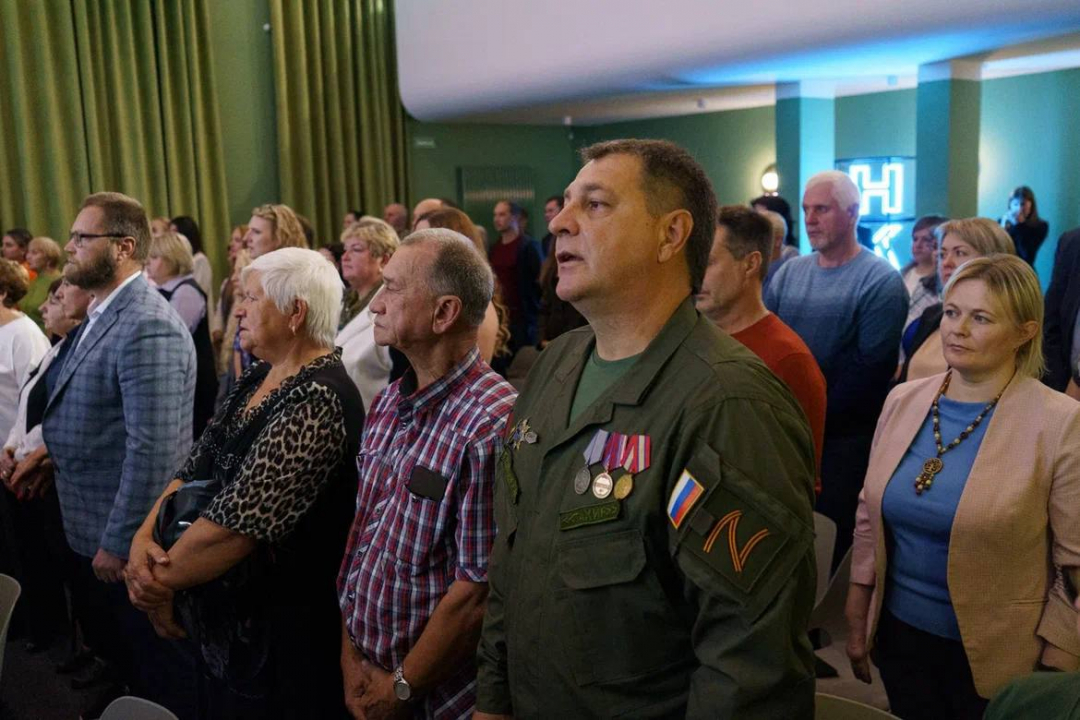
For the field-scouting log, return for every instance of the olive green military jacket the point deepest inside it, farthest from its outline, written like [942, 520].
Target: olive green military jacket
[607, 607]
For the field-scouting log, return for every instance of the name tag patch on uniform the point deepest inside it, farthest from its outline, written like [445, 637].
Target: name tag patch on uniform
[591, 515]
[687, 492]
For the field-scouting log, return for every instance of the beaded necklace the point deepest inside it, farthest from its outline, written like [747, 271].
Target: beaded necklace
[934, 465]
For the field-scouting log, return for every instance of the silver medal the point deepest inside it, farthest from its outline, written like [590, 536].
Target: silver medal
[602, 486]
[582, 480]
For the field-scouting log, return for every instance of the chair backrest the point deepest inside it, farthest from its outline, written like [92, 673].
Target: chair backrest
[9, 595]
[831, 707]
[133, 708]
[829, 613]
[824, 545]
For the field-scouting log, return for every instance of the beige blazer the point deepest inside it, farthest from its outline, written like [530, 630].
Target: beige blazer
[1018, 519]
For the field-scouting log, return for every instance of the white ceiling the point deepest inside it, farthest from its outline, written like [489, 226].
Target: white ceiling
[601, 61]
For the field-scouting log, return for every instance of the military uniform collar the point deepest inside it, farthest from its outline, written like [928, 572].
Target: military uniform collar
[635, 384]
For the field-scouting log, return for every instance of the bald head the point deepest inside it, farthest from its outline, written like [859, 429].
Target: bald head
[397, 216]
[425, 206]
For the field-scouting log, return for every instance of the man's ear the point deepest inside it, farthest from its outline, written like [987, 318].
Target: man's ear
[126, 245]
[447, 312]
[675, 228]
[753, 264]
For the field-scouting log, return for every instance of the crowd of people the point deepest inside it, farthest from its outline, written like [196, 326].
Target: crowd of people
[316, 489]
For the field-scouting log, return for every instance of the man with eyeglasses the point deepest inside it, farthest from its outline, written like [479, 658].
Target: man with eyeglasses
[118, 424]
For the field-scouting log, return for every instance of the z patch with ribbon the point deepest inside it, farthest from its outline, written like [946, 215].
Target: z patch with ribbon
[734, 538]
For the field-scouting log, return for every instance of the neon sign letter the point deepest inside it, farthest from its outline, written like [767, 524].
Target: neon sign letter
[889, 190]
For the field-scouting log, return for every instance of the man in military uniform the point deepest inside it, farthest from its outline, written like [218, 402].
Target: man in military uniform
[655, 547]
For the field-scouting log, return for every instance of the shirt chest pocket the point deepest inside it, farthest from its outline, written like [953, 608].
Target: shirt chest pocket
[419, 535]
[607, 584]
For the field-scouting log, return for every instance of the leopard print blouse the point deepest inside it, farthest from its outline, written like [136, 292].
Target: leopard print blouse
[282, 473]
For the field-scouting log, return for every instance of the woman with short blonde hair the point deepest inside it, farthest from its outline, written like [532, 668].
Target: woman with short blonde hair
[958, 241]
[174, 252]
[368, 245]
[969, 511]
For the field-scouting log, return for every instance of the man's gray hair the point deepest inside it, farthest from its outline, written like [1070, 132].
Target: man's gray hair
[459, 270]
[779, 224]
[292, 274]
[844, 190]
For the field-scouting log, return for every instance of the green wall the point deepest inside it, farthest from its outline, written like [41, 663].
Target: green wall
[734, 146]
[1030, 135]
[243, 59]
[876, 124]
[433, 169]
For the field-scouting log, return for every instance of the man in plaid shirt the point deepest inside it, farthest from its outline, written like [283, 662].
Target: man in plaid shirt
[413, 583]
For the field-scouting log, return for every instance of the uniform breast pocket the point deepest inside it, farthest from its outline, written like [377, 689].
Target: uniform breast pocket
[608, 587]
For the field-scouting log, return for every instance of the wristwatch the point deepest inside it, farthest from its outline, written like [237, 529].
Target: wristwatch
[402, 689]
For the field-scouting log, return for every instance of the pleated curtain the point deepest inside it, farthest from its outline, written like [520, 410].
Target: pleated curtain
[341, 127]
[110, 95]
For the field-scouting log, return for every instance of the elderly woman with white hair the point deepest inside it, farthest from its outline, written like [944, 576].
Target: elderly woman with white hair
[245, 543]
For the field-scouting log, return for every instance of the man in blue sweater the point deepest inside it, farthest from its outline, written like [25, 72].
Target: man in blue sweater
[849, 306]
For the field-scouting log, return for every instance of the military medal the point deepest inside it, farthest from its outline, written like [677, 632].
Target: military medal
[935, 465]
[522, 433]
[592, 456]
[582, 480]
[634, 457]
[601, 486]
[527, 433]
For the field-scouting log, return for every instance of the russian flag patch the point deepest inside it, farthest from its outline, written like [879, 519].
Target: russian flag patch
[687, 492]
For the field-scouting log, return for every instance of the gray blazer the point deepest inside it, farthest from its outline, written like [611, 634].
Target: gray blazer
[118, 421]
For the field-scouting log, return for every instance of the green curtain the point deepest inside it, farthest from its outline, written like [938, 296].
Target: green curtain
[341, 127]
[110, 95]
[44, 170]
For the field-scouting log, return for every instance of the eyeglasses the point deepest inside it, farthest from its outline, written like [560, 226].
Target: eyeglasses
[79, 239]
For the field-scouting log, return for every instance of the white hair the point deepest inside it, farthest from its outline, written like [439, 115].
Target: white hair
[844, 190]
[779, 224]
[459, 270]
[291, 274]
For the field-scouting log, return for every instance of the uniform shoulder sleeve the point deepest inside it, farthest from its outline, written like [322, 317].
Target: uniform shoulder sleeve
[740, 517]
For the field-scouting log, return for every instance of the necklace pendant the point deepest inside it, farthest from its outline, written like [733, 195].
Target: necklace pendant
[923, 482]
[932, 467]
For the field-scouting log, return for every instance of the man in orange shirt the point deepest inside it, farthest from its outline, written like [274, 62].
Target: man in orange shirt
[730, 296]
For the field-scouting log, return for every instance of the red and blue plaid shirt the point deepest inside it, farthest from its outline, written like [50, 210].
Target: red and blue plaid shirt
[405, 549]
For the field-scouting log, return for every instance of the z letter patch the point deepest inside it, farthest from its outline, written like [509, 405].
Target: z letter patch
[687, 492]
[736, 538]
[739, 555]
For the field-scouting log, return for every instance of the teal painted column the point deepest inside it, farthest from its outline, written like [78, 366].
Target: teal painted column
[947, 139]
[805, 142]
